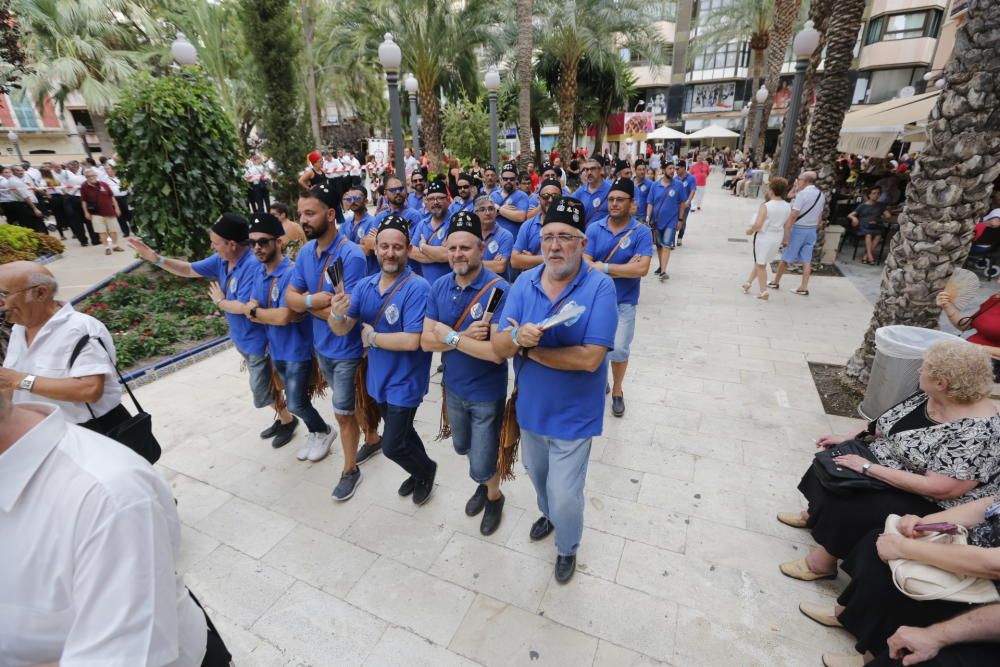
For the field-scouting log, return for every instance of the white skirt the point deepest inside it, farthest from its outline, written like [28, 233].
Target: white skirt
[766, 246]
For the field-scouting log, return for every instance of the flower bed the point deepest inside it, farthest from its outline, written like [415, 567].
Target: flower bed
[152, 315]
[20, 243]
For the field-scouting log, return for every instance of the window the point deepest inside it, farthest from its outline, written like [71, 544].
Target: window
[885, 84]
[892, 27]
[874, 30]
[24, 111]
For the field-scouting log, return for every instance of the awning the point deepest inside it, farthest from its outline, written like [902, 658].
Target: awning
[665, 133]
[713, 132]
[872, 130]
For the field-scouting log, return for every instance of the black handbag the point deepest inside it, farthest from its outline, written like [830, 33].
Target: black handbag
[838, 479]
[136, 432]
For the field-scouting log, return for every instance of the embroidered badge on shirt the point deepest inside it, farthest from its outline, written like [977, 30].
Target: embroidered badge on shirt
[392, 314]
[626, 243]
[232, 285]
[493, 246]
[597, 202]
[477, 311]
[274, 292]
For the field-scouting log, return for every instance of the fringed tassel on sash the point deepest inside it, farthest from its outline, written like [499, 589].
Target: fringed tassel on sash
[365, 409]
[444, 430]
[277, 389]
[317, 381]
[510, 439]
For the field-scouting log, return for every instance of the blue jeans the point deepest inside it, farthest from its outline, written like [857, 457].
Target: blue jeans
[259, 366]
[339, 374]
[295, 375]
[401, 444]
[475, 431]
[558, 470]
[624, 333]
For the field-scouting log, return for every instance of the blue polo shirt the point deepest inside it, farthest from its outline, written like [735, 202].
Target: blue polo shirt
[238, 284]
[358, 232]
[499, 243]
[642, 189]
[595, 204]
[601, 241]
[415, 202]
[666, 201]
[460, 205]
[293, 341]
[563, 404]
[690, 184]
[516, 199]
[310, 276]
[470, 378]
[433, 237]
[529, 236]
[398, 378]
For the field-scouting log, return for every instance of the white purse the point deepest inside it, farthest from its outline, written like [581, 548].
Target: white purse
[921, 581]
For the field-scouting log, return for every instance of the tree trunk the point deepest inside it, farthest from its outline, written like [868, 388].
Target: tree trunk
[601, 132]
[307, 44]
[832, 102]
[949, 190]
[536, 134]
[524, 81]
[758, 68]
[785, 12]
[567, 105]
[430, 126]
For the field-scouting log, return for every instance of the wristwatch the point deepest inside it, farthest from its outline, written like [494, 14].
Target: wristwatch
[253, 312]
[452, 339]
[865, 468]
[27, 383]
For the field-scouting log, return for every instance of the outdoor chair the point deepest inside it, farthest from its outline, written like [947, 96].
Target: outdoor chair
[752, 188]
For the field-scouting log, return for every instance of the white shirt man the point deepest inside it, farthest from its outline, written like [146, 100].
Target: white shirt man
[22, 191]
[332, 167]
[72, 180]
[91, 540]
[115, 183]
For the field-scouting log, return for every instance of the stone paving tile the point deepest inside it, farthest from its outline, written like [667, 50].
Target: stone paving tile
[246, 527]
[395, 535]
[329, 563]
[399, 647]
[599, 552]
[242, 587]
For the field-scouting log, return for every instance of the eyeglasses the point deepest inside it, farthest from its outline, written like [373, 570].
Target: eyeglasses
[463, 187]
[261, 242]
[547, 239]
[395, 191]
[6, 295]
[550, 197]
[507, 179]
[351, 199]
[486, 209]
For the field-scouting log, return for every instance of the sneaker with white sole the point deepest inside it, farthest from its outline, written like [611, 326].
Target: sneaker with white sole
[321, 445]
[307, 444]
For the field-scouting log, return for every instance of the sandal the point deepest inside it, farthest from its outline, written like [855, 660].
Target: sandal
[774, 285]
[746, 288]
[801, 292]
[764, 296]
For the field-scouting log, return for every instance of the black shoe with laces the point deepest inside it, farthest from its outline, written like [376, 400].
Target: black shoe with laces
[271, 430]
[422, 491]
[565, 567]
[406, 488]
[476, 503]
[541, 529]
[284, 434]
[492, 516]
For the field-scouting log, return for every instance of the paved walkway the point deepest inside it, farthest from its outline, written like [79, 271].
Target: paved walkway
[81, 268]
[679, 558]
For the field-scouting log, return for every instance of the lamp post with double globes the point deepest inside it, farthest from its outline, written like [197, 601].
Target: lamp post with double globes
[12, 137]
[391, 57]
[492, 83]
[760, 97]
[183, 51]
[803, 47]
[411, 92]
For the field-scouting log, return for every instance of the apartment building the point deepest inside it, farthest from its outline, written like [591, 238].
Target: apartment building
[43, 133]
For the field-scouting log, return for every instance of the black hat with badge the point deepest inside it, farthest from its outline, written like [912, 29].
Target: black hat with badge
[489, 167]
[324, 193]
[568, 211]
[396, 222]
[232, 227]
[509, 166]
[464, 221]
[550, 182]
[623, 185]
[265, 223]
[598, 158]
[619, 165]
[435, 187]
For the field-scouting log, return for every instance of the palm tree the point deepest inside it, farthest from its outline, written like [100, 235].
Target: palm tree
[307, 10]
[608, 88]
[785, 13]
[950, 188]
[525, 78]
[595, 30]
[542, 108]
[438, 40]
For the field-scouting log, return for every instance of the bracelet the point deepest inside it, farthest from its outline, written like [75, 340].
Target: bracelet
[159, 261]
[219, 301]
[309, 301]
[607, 268]
[371, 339]
[513, 335]
[339, 318]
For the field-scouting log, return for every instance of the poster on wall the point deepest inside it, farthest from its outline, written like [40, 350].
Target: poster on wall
[656, 101]
[783, 96]
[639, 123]
[714, 97]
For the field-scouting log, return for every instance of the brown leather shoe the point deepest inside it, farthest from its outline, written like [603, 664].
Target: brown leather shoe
[821, 613]
[793, 519]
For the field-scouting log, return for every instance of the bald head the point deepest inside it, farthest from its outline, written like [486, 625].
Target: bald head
[19, 275]
[27, 293]
[808, 177]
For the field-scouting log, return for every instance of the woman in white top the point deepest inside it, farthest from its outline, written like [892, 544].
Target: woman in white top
[768, 230]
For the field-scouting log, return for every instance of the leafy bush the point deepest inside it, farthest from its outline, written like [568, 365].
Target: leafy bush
[466, 128]
[154, 314]
[21, 243]
[180, 156]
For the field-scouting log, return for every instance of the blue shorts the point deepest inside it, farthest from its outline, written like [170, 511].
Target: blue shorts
[624, 333]
[666, 237]
[800, 246]
[475, 431]
[339, 374]
[259, 366]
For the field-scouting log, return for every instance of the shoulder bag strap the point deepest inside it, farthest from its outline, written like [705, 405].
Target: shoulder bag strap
[76, 353]
[472, 303]
[806, 212]
[388, 298]
[329, 258]
[618, 245]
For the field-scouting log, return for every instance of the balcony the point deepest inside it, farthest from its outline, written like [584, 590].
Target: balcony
[917, 51]
[880, 7]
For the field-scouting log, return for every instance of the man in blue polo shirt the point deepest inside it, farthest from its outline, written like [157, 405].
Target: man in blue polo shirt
[232, 268]
[289, 335]
[690, 187]
[489, 180]
[458, 325]
[594, 191]
[395, 196]
[527, 252]
[662, 210]
[466, 200]
[390, 308]
[428, 237]
[356, 201]
[498, 244]
[415, 200]
[512, 203]
[549, 172]
[310, 291]
[642, 186]
[620, 246]
[560, 373]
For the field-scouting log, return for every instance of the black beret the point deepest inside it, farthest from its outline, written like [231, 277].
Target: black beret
[639, 162]
[682, 163]
[232, 227]
[396, 222]
[598, 158]
[546, 166]
[478, 182]
[464, 177]
[489, 167]
[435, 187]
[265, 223]
[568, 211]
[621, 164]
[623, 185]
[324, 193]
[550, 182]
[509, 166]
[464, 221]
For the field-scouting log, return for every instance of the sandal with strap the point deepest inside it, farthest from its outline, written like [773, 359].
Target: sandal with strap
[746, 288]
[801, 292]
[774, 285]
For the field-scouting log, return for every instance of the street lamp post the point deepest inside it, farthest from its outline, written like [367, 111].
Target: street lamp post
[12, 136]
[82, 131]
[760, 96]
[390, 56]
[183, 51]
[803, 47]
[492, 83]
[411, 92]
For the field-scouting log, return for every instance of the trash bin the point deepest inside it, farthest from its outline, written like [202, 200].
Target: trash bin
[899, 351]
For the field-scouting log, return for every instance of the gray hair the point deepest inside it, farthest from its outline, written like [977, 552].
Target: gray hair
[39, 279]
[808, 176]
[482, 199]
[89, 170]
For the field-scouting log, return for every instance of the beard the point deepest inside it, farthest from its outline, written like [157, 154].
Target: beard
[564, 267]
[315, 231]
[466, 268]
[393, 266]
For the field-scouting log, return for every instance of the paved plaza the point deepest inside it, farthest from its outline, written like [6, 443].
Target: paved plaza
[679, 558]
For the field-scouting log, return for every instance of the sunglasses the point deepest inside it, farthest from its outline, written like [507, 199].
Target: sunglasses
[463, 187]
[417, 181]
[395, 191]
[507, 179]
[261, 242]
[550, 197]
[353, 199]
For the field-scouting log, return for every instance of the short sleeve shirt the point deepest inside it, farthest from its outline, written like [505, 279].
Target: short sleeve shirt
[595, 204]
[666, 200]
[636, 241]
[397, 378]
[238, 285]
[469, 378]
[359, 231]
[499, 243]
[529, 236]
[690, 185]
[563, 404]
[433, 237]
[292, 341]
[700, 171]
[310, 277]
[517, 199]
[804, 201]
[642, 196]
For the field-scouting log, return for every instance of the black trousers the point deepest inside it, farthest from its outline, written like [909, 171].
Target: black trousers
[125, 219]
[216, 653]
[258, 198]
[402, 445]
[74, 206]
[957, 655]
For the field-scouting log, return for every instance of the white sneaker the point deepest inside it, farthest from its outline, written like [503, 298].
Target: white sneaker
[320, 446]
[307, 444]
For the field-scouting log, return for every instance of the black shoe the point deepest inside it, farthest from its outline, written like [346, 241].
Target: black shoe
[476, 503]
[406, 488]
[423, 489]
[657, 272]
[565, 567]
[271, 430]
[541, 529]
[617, 405]
[440, 368]
[492, 516]
[284, 434]
[366, 451]
[607, 389]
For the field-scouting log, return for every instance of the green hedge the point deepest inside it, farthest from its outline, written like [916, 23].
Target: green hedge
[20, 243]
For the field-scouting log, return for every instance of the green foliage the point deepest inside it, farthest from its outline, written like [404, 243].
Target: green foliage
[180, 156]
[13, 60]
[272, 32]
[466, 129]
[21, 243]
[154, 315]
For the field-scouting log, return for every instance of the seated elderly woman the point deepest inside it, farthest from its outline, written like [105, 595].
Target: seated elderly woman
[872, 608]
[936, 449]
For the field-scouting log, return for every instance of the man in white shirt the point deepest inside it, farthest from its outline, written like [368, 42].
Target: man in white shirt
[25, 208]
[91, 539]
[120, 194]
[800, 231]
[72, 178]
[410, 163]
[32, 173]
